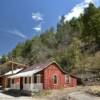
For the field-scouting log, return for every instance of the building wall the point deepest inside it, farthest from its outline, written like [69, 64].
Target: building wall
[54, 70]
[74, 82]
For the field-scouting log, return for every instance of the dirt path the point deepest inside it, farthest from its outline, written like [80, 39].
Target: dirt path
[82, 96]
[72, 94]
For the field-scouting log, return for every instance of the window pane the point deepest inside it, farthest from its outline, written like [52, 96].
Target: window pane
[38, 78]
[35, 79]
[54, 79]
[29, 79]
[25, 80]
[67, 79]
[12, 81]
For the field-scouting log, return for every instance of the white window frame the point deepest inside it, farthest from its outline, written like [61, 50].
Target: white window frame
[38, 78]
[67, 79]
[53, 80]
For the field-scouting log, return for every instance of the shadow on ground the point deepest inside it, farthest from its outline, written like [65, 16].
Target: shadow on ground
[16, 93]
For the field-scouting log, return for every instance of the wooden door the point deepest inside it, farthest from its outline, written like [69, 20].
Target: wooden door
[21, 83]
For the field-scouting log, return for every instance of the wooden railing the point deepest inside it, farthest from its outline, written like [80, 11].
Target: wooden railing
[15, 86]
[33, 87]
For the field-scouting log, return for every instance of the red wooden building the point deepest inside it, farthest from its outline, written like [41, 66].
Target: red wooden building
[42, 76]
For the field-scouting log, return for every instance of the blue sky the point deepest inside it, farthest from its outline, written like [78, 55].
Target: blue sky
[22, 19]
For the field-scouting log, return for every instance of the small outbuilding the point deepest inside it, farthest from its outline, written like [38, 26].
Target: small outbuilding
[9, 68]
[42, 76]
[5, 80]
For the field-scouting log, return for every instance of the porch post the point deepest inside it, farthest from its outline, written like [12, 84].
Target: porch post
[23, 82]
[12, 67]
[10, 83]
[5, 83]
[32, 82]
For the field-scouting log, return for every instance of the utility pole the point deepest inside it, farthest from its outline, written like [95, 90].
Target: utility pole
[12, 64]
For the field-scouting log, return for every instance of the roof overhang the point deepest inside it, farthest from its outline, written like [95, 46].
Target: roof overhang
[13, 72]
[25, 74]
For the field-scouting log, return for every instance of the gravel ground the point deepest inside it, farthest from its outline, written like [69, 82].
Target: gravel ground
[65, 94]
[82, 96]
[7, 97]
[73, 94]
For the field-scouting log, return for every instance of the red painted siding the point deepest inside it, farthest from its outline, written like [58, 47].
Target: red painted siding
[54, 70]
[74, 82]
[17, 80]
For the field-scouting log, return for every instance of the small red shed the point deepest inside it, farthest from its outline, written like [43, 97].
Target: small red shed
[43, 76]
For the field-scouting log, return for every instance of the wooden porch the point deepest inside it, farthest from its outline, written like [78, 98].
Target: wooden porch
[32, 83]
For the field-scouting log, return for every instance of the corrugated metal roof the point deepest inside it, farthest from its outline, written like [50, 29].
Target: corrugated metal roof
[25, 74]
[14, 72]
[29, 71]
[39, 66]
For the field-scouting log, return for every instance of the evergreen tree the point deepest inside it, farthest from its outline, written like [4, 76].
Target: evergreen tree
[91, 22]
[3, 59]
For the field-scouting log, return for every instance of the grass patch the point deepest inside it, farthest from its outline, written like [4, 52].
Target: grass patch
[41, 93]
[62, 88]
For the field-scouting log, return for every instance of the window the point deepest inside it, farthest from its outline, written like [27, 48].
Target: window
[29, 79]
[12, 81]
[25, 80]
[38, 78]
[67, 79]
[35, 79]
[54, 79]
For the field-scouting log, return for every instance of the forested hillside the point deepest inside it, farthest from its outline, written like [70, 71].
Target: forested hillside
[74, 44]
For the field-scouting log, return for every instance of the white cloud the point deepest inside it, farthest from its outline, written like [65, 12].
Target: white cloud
[14, 32]
[37, 16]
[79, 9]
[17, 33]
[38, 28]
